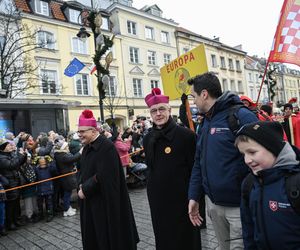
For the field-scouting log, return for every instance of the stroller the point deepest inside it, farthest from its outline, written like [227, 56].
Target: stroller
[137, 175]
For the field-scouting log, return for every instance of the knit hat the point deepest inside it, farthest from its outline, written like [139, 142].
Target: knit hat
[267, 134]
[60, 143]
[87, 119]
[106, 127]
[9, 136]
[155, 97]
[75, 136]
[248, 99]
[3, 144]
[293, 100]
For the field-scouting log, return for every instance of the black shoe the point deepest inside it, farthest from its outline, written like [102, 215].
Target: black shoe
[29, 220]
[49, 218]
[3, 232]
[12, 227]
[20, 223]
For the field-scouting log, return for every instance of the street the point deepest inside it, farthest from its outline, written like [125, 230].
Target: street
[64, 232]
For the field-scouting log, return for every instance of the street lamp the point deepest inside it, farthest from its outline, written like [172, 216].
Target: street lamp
[102, 43]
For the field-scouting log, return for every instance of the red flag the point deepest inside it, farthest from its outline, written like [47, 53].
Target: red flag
[286, 44]
[93, 69]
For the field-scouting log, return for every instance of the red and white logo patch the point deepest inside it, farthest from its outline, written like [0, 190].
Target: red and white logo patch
[273, 205]
[212, 131]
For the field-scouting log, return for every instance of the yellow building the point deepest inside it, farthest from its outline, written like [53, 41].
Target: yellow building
[291, 80]
[58, 25]
[147, 43]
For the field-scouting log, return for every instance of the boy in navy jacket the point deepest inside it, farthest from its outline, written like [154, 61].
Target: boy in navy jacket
[268, 220]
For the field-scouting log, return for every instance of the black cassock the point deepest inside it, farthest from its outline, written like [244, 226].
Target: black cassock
[170, 156]
[107, 221]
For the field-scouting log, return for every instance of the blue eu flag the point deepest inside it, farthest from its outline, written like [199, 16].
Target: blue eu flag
[74, 67]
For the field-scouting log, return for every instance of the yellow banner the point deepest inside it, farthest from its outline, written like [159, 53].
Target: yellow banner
[176, 74]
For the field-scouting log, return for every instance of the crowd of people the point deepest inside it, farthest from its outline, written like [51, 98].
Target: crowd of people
[234, 141]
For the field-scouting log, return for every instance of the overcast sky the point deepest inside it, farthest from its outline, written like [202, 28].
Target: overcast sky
[251, 23]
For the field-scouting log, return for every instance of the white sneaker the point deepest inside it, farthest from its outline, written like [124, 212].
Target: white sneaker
[69, 212]
[73, 209]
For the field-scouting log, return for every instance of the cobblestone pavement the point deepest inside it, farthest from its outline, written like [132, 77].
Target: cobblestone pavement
[64, 232]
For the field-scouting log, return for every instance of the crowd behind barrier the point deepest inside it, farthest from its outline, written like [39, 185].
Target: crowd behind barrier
[31, 175]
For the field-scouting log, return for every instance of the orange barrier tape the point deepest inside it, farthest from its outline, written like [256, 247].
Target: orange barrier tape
[133, 153]
[38, 182]
[54, 178]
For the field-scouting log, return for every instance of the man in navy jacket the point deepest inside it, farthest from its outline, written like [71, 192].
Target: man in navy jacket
[219, 167]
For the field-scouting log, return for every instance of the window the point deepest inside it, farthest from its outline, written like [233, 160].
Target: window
[149, 33]
[151, 57]
[213, 61]
[49, 79]
[252, 94]
[238, 66]
[134, 55]
[225, 84]
[165, 37]
[232, 85]
[79, 46]
[105, 23]
[185, 50]
[112, 86]
[240, 87]
[82, 84]
[74, 16]
[250, 77]
[256, 77]
[131, 27]
[167, 58]
[41, 7]
[223, 63]
[230, 64]
[154, 84]
[45, 40]
[137, 87]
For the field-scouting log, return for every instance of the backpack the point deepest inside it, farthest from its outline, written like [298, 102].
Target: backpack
[292, 186]
[28, 173]
[233, 119]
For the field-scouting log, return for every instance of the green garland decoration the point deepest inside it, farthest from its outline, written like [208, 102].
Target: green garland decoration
[108, 43]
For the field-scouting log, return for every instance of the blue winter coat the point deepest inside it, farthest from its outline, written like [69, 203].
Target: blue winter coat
[219, 167]
[45, 188]
[269, 221]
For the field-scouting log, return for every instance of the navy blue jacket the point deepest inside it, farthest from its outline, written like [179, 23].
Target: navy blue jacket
[45, 188]
[269, 221]
[219, 167]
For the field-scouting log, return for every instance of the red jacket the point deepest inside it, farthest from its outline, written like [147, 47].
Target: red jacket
[123, 148]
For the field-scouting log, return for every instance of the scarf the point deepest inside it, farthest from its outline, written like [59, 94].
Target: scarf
[155, 136]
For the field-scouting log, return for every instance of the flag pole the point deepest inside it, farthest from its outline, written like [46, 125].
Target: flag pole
[262, 81]
[189, 115]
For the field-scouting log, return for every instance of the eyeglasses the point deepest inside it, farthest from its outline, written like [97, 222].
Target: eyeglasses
[160, 110]
[84, 130]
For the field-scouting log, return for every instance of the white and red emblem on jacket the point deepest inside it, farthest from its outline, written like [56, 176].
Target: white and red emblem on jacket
[273, 205]
[213, 130]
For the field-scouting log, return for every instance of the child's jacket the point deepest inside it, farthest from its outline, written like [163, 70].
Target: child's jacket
[269, 221]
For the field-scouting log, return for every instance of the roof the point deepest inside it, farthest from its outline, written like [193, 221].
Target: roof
[23, 5]
[215, 40]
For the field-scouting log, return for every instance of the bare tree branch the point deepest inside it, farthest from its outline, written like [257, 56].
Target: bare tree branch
[17, 42]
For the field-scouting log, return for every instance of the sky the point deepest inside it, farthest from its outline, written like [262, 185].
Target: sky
[251, 23]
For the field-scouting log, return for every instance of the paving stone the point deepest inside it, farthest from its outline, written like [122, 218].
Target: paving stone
[64, 232]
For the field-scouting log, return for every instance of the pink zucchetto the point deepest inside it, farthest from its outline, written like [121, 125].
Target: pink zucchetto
[87, 119]
[156, 97]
